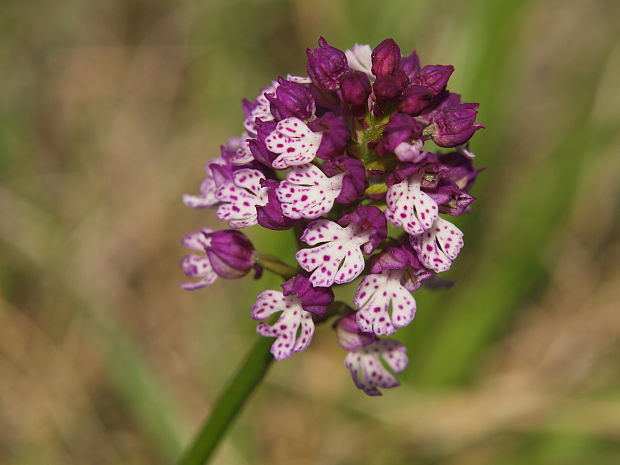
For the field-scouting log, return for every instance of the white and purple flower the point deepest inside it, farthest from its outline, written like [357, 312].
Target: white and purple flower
[298, 302]
[338, 259]
[294, 142]
[439, 245]
[240, 197]
[370, 365]
[409, 207]
[197, 266]
[307, 192]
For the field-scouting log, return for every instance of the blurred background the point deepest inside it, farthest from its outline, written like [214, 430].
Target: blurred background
[108, 111]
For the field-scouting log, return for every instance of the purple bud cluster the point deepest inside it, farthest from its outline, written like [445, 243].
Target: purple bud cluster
[337, 157]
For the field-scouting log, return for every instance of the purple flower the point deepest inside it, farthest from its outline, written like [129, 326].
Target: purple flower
[355, 88]
[315, 300]
[230, 253]
[385, 58]
[270, 215]
[335, 132]
[258, 146]
[433, 77]
[197, 266]
[236, 151]
[369, 365]
[326, 65]
[291, 99]
[354, 183]
[258, 110]
[350, 336]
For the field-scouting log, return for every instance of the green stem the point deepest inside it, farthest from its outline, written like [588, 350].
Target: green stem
[229, 404]
[275, 265]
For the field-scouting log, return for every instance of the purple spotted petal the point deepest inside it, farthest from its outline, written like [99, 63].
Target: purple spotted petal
[208, 188]
[197, 266]
[307, 192]
[294, 143]
[376, 295]
[237, 151]
[241, 197]
[293, 330]
[439, 245]
[402, 258]
[409, 207]
[367, 368]
[338, 259]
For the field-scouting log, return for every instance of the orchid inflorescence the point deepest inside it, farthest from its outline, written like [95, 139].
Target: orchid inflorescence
[338, 156]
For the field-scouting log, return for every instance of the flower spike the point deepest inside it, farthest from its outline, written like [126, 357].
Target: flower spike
[335, 157]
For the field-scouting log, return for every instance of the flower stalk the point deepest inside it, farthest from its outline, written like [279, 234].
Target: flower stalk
[229, 404]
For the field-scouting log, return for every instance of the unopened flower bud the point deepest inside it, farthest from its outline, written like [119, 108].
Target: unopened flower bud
[434, 77]
[410, 65]
[355, 88]
[414, 100]
[454, 126]
[326, 65]
[230, 253]
[385, 58]
[390, 87]
[291, 99]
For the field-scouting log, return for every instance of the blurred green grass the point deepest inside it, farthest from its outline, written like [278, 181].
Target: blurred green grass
[109, 110]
